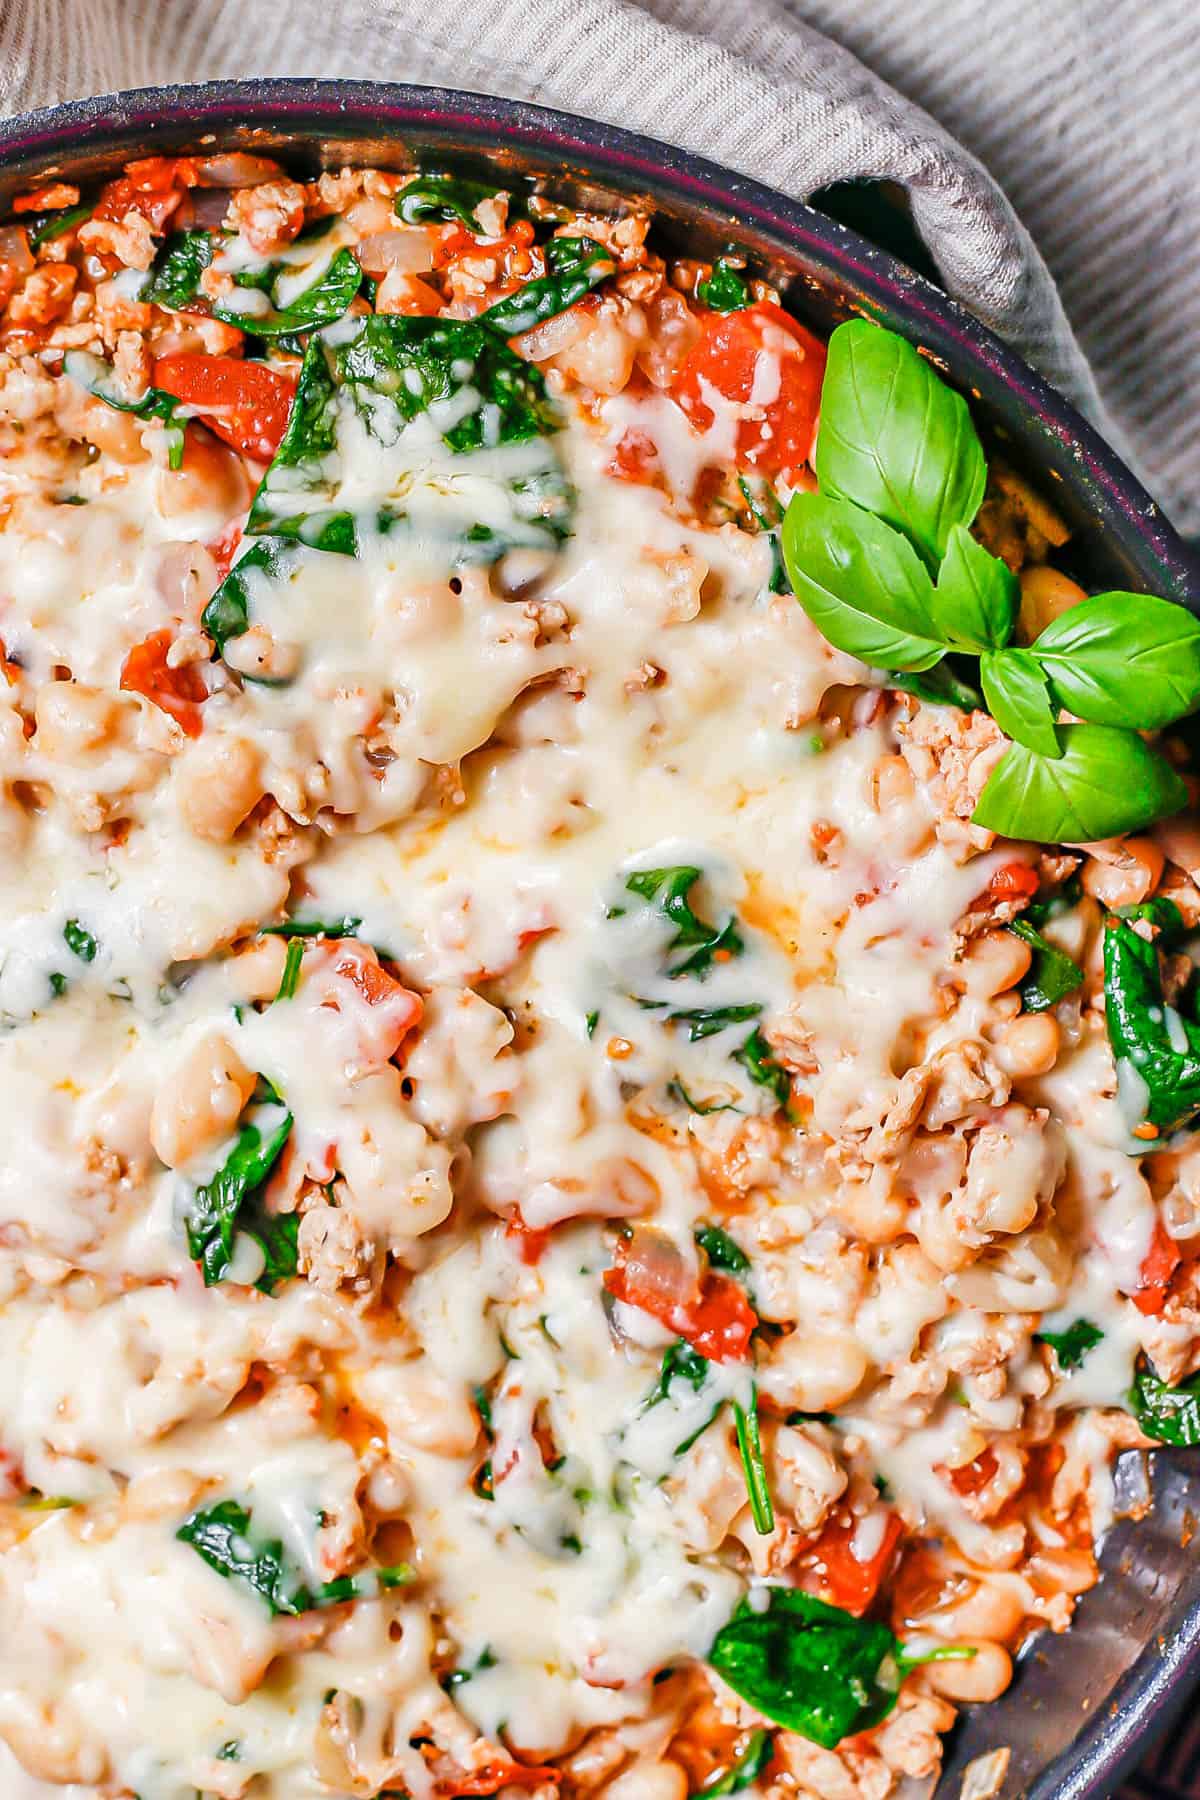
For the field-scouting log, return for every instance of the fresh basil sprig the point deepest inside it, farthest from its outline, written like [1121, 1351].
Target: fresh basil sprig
[813, 1668]
[896, 440]
[883, 561]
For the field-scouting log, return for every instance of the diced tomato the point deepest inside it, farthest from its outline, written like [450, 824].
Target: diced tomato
[224, 548]
[973, 1477]
[348, 971]
[759, 358]
[846, 1581]
[152, 186]
[1154, 1277]
[245, 403]
[180, 692]
[636, 457]
[1014, 881]
[493, 1776]
[531, 1240]
[714, 1316]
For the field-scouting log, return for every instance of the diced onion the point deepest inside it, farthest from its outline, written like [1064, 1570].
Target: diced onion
[237, 169]
[409, 251]
[553, 335]
[14, 249]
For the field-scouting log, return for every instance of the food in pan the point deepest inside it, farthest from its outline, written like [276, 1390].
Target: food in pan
[598, 1037]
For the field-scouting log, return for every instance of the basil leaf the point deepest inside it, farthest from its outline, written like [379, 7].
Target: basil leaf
[861, 583]
[1072, 1345]
[1123, 659]
[1106, 782]
[758, 1060]
[326, 300]
[1052, 973]
[1170, 1415]
[760, 1748]
[976, 597]
[217, 1207]
[576, 266]
[442, 199]
[669, 889]
[812, 1668]
[43, 228]
[177, 268]
[725, 290]
[758, 1488]
[1019, 700]
[895, 439]
[80, 941]
[1156, 1048]
[98, 379]
[721, 1250]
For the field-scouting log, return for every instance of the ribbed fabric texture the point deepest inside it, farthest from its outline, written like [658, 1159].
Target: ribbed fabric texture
[1086, 111]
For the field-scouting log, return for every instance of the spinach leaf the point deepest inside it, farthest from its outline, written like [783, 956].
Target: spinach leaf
[706, 1021]
[896, 440]
[227, 1204]
[702, 1109]
[313, 928]
[1155, 1045]
[576, 266]
[1123, 659]
[752, 1762]
[80, 940]
[1072, 1345]
[758, 1488]
[976, 596]
[1019, 700]
[43, 228]
[725, 290]
[762, 503]
[809, 1667]
[97, 377]
[1052, 973]
[1170, 1415]
[392, 369]
[680, 1363]
[721, 1250]
[943, 685]
[290, 979]
[442, 199]
[758, 1060]
[177, 268]
[327, 299]
[861, 583]
[1106, 782]
[222, 1535]
[227, 614]
[669, 890]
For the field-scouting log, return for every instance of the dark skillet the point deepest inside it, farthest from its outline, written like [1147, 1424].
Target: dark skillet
[1084, 1705]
